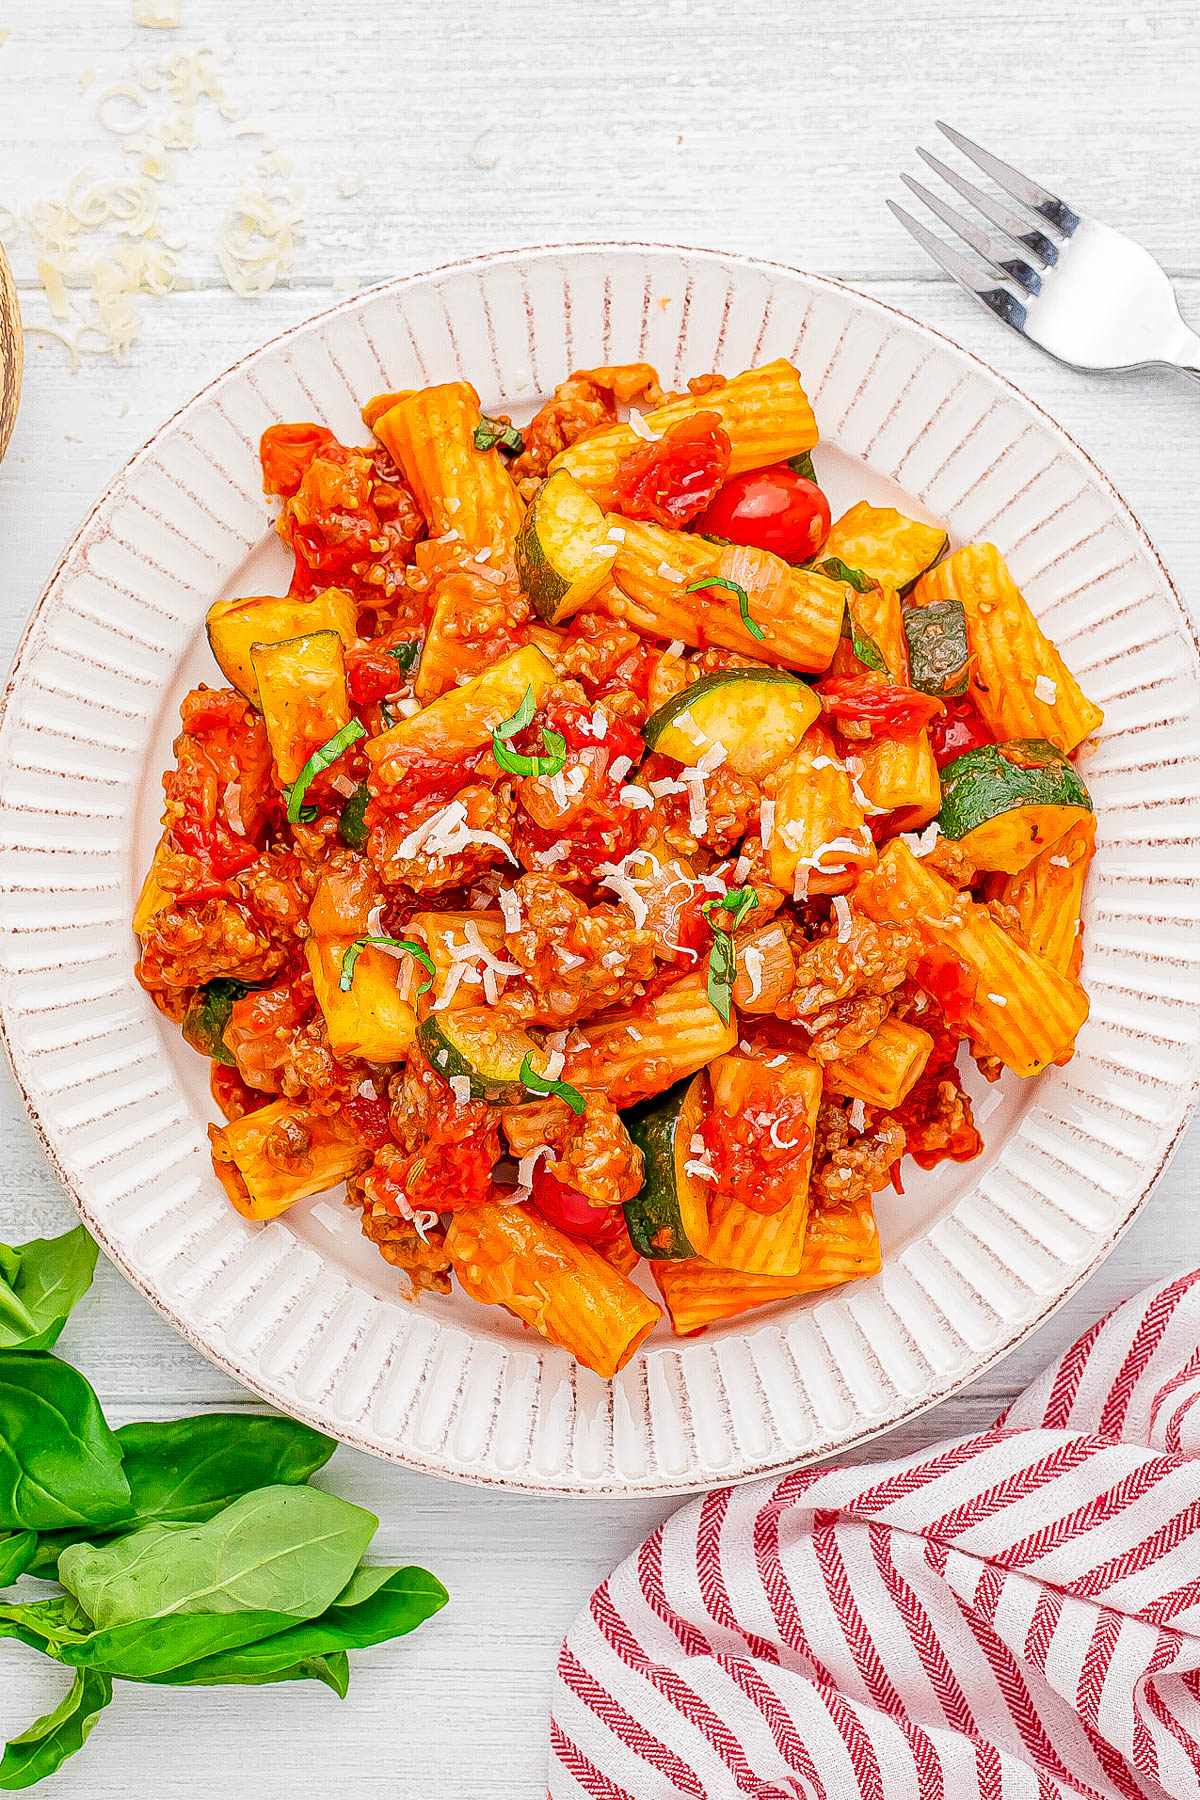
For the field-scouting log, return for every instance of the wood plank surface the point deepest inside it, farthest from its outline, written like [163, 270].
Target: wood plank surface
[770, 129]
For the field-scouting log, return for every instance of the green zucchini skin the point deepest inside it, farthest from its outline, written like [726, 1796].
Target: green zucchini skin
[938, 648]
[352, 826]
[983, 783]
[497, 1081]
[206, 1018]
[759, 715]
[546, 586]
[653, 1218]
[670, 709]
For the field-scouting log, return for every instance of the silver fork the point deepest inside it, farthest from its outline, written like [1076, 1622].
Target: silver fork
[1078, 289]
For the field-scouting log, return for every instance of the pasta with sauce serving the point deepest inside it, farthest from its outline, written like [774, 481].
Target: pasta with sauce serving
[601, 855]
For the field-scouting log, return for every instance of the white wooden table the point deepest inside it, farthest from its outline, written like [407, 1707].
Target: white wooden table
[762, 127]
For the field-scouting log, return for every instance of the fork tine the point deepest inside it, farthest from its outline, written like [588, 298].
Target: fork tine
[1023, 234]
[998, 300]
[990, 248]
[1029, 193]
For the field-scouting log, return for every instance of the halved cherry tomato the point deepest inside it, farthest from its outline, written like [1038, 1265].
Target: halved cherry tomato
[573, 1212]
[956, 731]
[772, 509]
[876, 700]
[672, 479]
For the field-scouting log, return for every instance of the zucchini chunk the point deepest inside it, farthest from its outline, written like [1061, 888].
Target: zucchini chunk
[884, 545]
[468, 1042]
[234, 626]
[939, 652]
[758, 715]
[1006, 802]
[669, 1217]
[563, 549]
[463, 719]
[302, 692]
[206, 1018]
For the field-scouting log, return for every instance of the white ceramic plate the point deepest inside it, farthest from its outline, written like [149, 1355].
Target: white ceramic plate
[303, 1310]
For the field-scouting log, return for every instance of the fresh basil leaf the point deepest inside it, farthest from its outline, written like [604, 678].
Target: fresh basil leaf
[45, 1625]
[146, 1649]
[738, 902]
[492, 434]
[803, 465]
[47, 1743]
[185, 1470]
[60, 1465]
[519, 720]
[377, 1604]
[734, 587]
[837, 570]
[17, 1554]
[562, 1090]
[324, 758]
[42, 1280]
[352, 824]
[865, 649]
[288, 1550]
[355, 950]
[514, 762]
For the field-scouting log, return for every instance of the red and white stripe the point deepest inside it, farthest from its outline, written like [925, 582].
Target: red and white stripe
[1014, 1616]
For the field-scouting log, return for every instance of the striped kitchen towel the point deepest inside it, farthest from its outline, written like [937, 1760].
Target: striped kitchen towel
[1013, 1616]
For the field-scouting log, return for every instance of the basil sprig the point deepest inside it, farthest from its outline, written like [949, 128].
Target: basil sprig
[722, 958]
[743, 599]
[544, 1084]
[490, 434]
[324, 758]
[346, 978]
[192, 1551]
[512, 761]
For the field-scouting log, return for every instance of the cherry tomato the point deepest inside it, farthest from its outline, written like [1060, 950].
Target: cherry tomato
[878, 701]
[672, 479]
[773, 509]
[573, 1212]
[956, 731]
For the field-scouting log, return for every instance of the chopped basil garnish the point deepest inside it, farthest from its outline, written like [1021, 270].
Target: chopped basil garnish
[490, 434]
[722, 958]
[743, 599]
[542, 1084]
[346, 978]
[323, 758]
[837, 570]
[866, 650]
[512, 761]
[722, 972]
[407, 654]
[803, 465]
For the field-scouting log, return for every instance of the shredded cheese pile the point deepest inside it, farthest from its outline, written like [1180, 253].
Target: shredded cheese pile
[104, 243]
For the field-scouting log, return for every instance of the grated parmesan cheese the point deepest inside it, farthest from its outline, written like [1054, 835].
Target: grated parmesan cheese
[858, 1116]
[599, 726]
[841, 912]
[641, 427]
[635, 797]
[620, 767]
[675, 647]
[424, 1221]
[477, 154]
[998, 999]
[510, 906]
[460, 1087]
[704, 1171]
[615, 534]
[668, 573]
[367, 1090]
[1060, 862]
[752, 962]
[921, 843]
[781, 1143]
[156, 15]
[233, 807]
[690, 729]
[1046, 690]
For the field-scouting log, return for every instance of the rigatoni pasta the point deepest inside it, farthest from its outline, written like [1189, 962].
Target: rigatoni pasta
[602, 864]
